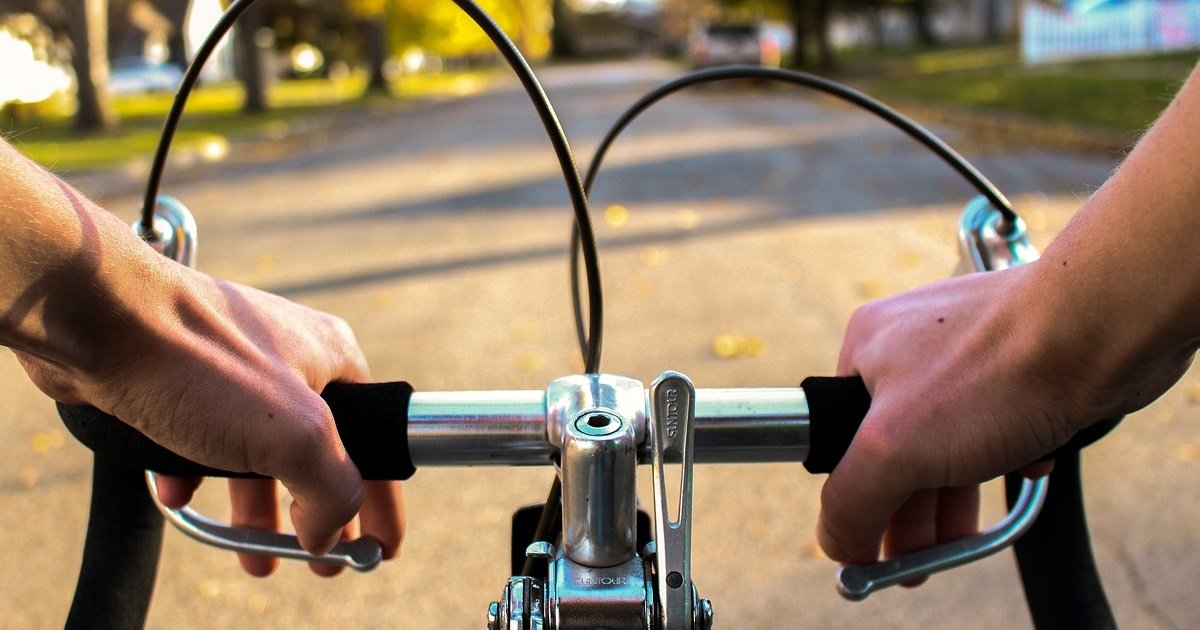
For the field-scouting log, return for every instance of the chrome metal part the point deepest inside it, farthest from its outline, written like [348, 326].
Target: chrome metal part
[479, 428]
[599, 489]
[568, 396]
[857, 582]
[703, 614]
[614, 598]
[672, 430]
[525, 603]
[987, 242]
[519, 428]
[749, 425]
[522, 607]
[174, 232]
[362, 554]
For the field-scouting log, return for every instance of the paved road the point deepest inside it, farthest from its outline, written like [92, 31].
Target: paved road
[748, 218]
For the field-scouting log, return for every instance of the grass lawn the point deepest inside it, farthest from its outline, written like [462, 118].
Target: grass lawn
[1119, 95]
[213, 116]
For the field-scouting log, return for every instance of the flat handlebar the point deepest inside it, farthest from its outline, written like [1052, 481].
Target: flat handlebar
[389, 430]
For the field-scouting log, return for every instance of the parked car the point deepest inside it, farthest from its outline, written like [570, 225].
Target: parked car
[720, 43]
[137, 75]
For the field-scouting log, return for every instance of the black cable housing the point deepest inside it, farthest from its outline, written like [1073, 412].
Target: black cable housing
[190, 77]
[529, 81]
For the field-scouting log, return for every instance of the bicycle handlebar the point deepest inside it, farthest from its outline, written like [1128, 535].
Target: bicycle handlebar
[389, 430]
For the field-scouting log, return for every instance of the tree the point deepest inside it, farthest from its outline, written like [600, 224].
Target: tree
[176, 11]
[922, 15]
[248, 59]
[88, 28]
[370, 19]
[81, 27]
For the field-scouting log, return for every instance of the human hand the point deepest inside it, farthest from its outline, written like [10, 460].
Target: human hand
[227, 376]
[970, 378]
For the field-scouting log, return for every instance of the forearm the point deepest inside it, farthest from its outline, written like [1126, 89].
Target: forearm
[58, 297]
[1120, 287]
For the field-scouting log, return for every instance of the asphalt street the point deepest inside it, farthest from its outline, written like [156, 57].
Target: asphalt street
[739, 227]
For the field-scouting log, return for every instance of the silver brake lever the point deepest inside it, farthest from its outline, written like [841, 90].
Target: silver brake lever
[987, 243]
[362, 554]
[857, 582]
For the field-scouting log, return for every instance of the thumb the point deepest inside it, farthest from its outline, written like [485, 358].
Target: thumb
[859, 498]
[326, 487]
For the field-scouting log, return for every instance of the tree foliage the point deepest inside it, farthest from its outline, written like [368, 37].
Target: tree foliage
[443, 29]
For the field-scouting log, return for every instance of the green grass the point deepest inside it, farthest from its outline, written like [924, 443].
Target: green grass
[212, 118]
[1115, 95]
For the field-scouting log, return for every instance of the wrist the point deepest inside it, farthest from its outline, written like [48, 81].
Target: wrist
[1103, 343]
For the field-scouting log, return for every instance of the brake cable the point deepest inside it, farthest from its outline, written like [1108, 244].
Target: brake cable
[725, 73]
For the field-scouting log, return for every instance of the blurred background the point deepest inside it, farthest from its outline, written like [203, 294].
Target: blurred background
[373, 158]
[102, 67]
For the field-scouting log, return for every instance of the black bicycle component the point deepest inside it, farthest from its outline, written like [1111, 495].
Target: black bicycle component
[1058, 571]
[836, 406]
[372, 421]
[120, 553]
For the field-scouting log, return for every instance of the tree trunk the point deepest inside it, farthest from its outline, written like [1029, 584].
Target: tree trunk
[875, 20]
[375, 47]
[249, 59]
[89, 37]
[821, 14]
[923, 27]
[991, 20]
[799, 18]
[176, 11]
[562, 40]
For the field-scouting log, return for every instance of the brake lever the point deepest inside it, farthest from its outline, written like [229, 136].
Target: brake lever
[857, 582]
[987, 242]
[361, 554]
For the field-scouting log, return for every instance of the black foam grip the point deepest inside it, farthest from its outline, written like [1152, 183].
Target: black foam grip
[836, 408]
[372, 421]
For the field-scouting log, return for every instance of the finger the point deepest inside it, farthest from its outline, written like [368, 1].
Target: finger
[859, 498]
[176, 492]
[958, 513]
[325, 502]
[912, 527]
[1037, 470]
[306, 455]
[382, 515]
[349, 532]
[254, 504]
